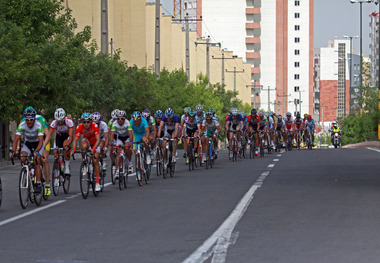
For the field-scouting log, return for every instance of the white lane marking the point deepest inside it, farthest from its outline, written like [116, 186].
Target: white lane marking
[31, 212]
[373, 149]
[276, 160]
[221, 238]
[271, 165]
[278, 155]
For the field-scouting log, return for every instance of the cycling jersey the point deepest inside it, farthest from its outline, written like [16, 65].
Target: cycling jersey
[253, 120]
[192, 125]
[216, 117]
[298, 123]
[89, 134]
[288, 123]
[30, 134]
[200, 117]
[170, 125]
[210, 127]
[140, 129]
[64, 128]
[235, 120]
[310, 124]
[103, 127]
[263, 122]
[121, 130]
[110, 123]
[280, 124]
[151, 121]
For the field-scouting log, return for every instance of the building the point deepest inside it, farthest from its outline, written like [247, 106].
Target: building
[276, 37]
[374, 48]
[332, 81]
[131, 26]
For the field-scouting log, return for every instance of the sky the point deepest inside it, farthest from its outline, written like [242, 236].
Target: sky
[332, 19]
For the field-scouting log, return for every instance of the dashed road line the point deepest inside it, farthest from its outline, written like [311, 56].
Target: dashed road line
[271, 165]
[373, 149]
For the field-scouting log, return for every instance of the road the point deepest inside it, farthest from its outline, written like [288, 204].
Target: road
[298, 206]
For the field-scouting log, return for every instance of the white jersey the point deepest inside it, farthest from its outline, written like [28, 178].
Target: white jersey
[30, 134]
[103, 127]
[121, 130]
[289, 122]
[68, 124]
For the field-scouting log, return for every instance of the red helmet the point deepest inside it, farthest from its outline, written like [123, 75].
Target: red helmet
[309, 117]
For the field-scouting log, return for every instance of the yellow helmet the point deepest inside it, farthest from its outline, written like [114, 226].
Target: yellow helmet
[305, 115]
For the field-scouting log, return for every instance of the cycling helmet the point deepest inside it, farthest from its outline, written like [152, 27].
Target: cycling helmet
[146, 114]
[253, 112]
[114, 113]
[279, 118]
[59, 114]
[261, 113]
[298, 115]
[309, 117]
[212, 111]
[242, 114]
[30, 113]
[186, 110]
[121, 114]
[231, 109]
[158, 114]
[271, 113]
[96, 117]
[136, 115]
[87, 116]
[169, 113]
[305, 115]
[266, 114]
[288, 114]
[199, 108]
[209, 115]
[192, 113]
[235, 112]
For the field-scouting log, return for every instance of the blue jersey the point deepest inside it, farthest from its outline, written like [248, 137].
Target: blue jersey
[138, 129]
[235, 119]
[170, 125]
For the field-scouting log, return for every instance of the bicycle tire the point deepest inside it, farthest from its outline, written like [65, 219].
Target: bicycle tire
[190, 156]
[233, 142]
[84, 181]
[93, 182]
[121, 173]
[55, 174]
[66, 183]
[138, 178]
[38, 197]
[24, 188]
[147, 170]
[113, 171]
[164, 163]
[172, 170]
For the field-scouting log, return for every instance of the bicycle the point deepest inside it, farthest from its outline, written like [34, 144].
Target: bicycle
[243, 146]
[169, 165]
[59, 178]
[252, 144]
[159, 158]
[210, 154]
[102, 173]
[200, 152]
[191, 153]
[269, 143]
[278, 141]
[142, 168]
[262, 143]
[28, 182]
[87, 176]
[309, 140]
[298, 139]
[233, 147]
[289, 142]
[123, 173]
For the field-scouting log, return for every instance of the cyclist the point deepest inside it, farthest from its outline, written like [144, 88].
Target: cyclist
[64, 128]
[215, 117]
[253, 125]
[191, 129]
[170, 125]
[120, 137]
[211, 128]
[104, 136]
[263, 125]
[236, 122]
[184, 116]
[90, 141]
[305, 117]
[33, 132]
[299, 126]
[271, 123]
[158, 116]
[114, 114]
[289, 126]
[310, 126]
[45, 158]
[280, 128]
[152, 127]
[200, 113]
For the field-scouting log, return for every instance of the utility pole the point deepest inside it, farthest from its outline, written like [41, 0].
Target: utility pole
[235, 71]
[111, 48]
[157, 40]
[104, 26]
[187, 46]
[283, 96]
[223, 58]
[254, 92]
[279, 106]
[268, 89]
[208, 44]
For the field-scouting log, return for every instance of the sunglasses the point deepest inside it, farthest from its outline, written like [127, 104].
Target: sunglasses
[29, 119]
[121, 119]
[86, 122]
[136, 119]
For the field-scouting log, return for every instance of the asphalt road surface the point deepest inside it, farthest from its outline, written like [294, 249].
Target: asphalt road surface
[298, 206]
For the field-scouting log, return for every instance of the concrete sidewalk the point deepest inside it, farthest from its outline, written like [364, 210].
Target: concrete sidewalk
[374, 144]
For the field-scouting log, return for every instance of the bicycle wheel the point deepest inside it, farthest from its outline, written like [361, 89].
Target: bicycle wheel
[84, 181]
[66, 183]
[121, 172]
[165, 163]
[113, 171]
[158, 161]
[234, 153]
[101, 179]
[190, 156]
[139, 174]
[38, 197]
[93, 182]
[55, 174]
[172, 169]
[23, 188]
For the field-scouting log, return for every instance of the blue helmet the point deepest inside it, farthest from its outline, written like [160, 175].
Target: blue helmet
[136, 115]
[121, 114]
[169, 113]
[30, 113]
[96, 117]
[158, 114]
[192, 113]
[87, 116]
[146, 114]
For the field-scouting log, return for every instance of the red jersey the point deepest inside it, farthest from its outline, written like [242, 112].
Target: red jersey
[228, 115]
[89, 134]
[298, 122]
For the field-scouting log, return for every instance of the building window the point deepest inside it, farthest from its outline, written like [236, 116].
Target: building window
[297, 3]
[296, 64]
[296, 76]
[296, 52]
[296, 88]
[296, 15]
[297, 27]
[296, 39]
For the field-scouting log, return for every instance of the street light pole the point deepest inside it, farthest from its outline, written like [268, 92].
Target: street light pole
[269, 89]
[350, 37]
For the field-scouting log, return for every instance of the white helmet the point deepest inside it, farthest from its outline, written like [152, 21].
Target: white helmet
[114, 113]
[59, 114]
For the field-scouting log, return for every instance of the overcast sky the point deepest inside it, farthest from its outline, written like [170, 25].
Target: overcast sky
[332, 18]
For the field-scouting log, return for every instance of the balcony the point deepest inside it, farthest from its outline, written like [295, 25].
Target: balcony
[252, 40]
[255, 70]
[252, 11]
[252, 25]
[252, 55]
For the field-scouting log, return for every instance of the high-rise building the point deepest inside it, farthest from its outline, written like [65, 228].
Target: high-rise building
[374, 47]
[276, 37]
